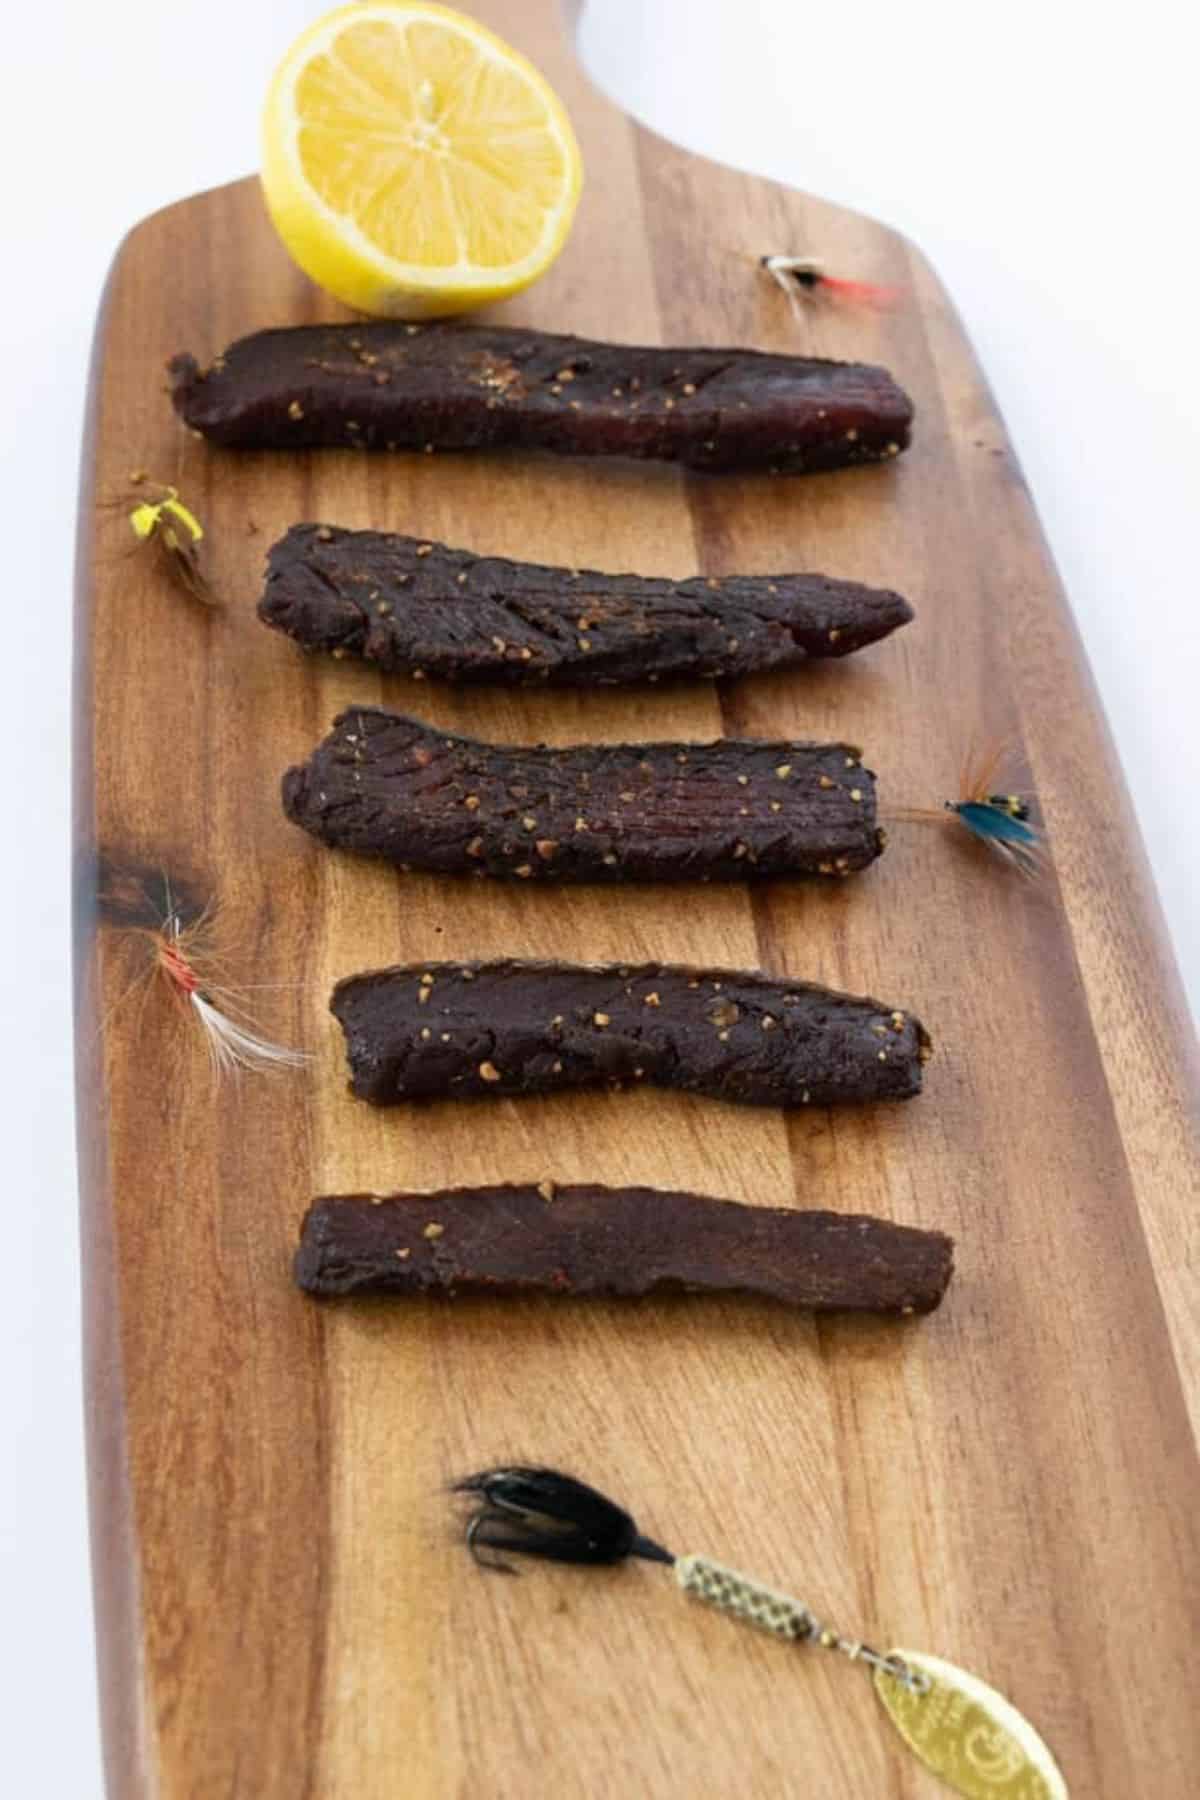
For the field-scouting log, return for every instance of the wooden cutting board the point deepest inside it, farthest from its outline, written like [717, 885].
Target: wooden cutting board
[284, 1605]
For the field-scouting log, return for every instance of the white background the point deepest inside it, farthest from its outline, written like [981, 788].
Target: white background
[1044, 156]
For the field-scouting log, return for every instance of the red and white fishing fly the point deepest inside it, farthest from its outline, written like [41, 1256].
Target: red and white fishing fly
[184, 958]
[806, 278]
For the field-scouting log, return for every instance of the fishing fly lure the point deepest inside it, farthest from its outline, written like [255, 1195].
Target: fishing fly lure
[232, 1043]
[182, 955]
[1002, 821]
[805, 278]
[961, 1729]
[170, 525]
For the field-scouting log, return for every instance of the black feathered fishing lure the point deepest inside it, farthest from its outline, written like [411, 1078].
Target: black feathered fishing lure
[960, 1728]
[537, 1512]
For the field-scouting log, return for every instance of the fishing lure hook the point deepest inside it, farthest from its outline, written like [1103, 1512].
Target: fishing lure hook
[495, 1564]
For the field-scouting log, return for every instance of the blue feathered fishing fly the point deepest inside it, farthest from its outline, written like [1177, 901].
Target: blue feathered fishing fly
[1003, 821]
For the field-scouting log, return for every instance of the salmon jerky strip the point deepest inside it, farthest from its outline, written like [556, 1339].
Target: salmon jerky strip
[387, 785]
[389, 386]
[598, 1242]
[407, 604]
[445, 1030]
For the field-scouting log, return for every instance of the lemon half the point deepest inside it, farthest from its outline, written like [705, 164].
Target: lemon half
[413, 163]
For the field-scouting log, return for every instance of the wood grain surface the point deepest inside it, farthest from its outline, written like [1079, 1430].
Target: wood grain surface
[285, 1609]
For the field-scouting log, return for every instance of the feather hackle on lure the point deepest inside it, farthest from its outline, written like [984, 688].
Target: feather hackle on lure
[961, 1729]
[1003, 821]
[183, 955]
